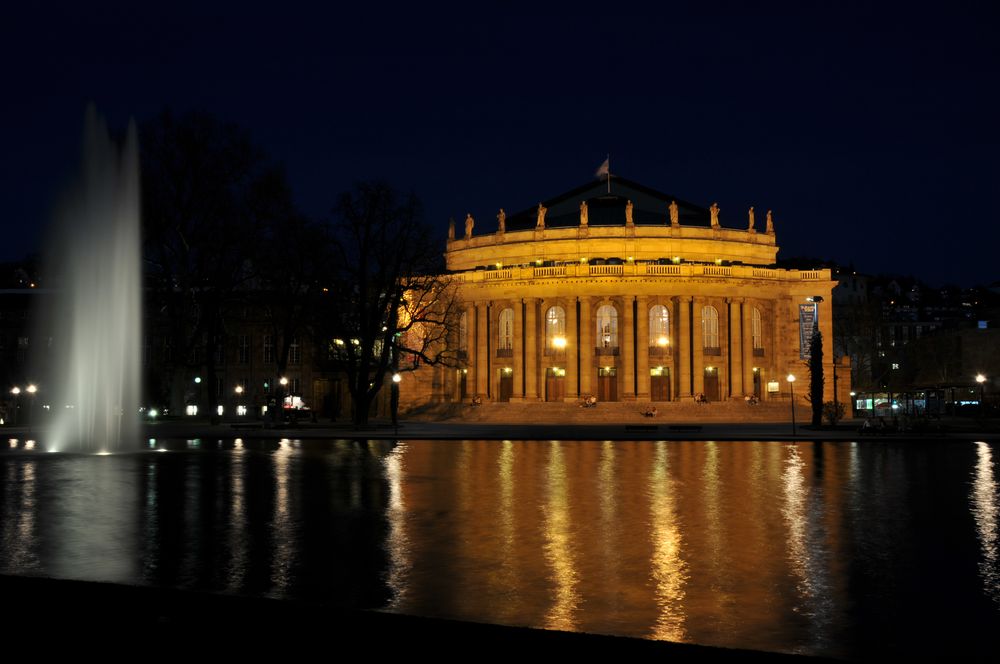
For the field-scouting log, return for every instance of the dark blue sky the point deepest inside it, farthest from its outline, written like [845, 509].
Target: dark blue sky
[871, 131]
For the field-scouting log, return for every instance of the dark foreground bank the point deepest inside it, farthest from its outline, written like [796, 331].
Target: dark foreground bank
[84, 617]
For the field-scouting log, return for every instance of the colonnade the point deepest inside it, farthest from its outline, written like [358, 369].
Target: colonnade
[522, 363]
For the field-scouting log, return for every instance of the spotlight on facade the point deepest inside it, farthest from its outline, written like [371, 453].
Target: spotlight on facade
[662, 340]
[559, 342]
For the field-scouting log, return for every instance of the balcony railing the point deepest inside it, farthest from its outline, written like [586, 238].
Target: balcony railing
[606, 350]
[505, 352]
[640, 270]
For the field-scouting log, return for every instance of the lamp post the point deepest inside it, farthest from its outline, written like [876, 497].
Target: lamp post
[16, 391]
[284, 395]
[239, 397]
[31, 389]
[396, 378]
[791, 394]
[981, 379]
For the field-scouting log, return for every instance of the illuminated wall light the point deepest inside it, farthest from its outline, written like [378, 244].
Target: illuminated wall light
[676, 260]
[191, 409]
[662, 340]
[241, 410]
[559, 342]
[219, 410]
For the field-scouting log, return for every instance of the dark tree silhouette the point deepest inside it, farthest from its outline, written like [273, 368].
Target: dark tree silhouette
[816, 377]
[208, 195]
[389, 309]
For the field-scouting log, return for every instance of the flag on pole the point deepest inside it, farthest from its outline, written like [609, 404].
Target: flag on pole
[604, 169]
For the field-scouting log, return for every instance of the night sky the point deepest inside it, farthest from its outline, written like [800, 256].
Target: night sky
[873, 132]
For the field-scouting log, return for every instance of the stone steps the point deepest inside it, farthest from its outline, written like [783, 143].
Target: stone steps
[611, 413]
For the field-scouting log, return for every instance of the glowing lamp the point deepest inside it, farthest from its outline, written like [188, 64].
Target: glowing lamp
[559, 342]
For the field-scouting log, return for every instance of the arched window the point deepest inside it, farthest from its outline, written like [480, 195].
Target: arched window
[607, 327]
[757, 331]
[506, 337]
[710, 327]
[555, 329]
[659, 327]
[463, 332]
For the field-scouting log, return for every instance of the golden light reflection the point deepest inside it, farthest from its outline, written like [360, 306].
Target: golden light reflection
[283, 552]
[397, 540]
[22, 555]
[668, 570]
[558, 536]
[238, 523]
[985, 511]
[802, 513]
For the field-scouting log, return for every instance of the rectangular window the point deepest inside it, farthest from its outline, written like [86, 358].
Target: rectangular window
[293, 385]
[244, 348]
[294, 352]
[268, 349]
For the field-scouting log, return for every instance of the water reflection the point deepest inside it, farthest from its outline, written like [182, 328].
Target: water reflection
[830, 549]
[668, 568]
[985, 510]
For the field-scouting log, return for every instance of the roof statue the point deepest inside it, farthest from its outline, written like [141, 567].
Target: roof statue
[628, 214]
[583, 214]
[501, 221]
[770, 222]
[451, 228]
[750, 213]
[715, 214]
[675, 216]
[469, 223]
[541, 216]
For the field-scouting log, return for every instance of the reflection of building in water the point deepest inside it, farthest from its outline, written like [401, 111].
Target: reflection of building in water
[629, 306]
[985, 509]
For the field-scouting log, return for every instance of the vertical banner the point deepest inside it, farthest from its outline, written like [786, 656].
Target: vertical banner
[808, 314]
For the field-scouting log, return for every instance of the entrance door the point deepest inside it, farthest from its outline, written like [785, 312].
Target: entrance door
[506, 384]
[712, 384]
[607, 384]
[555, 384]
[756, 382]
[463, 382]
[659, 384]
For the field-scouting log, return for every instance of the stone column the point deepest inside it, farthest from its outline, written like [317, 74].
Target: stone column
[697, 341]
[642, 348]
[627, 346]
[482, 356]
[586, 347]
[736, 351]
[748, 358]
[471, 356]
[531, 349]
[517, 348]
[572, 348]
[684, 338]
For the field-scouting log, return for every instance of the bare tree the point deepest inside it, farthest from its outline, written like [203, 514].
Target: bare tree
[208, 193]
[390, 308]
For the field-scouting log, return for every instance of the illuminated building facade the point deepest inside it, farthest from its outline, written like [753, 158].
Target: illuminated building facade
[618, 291]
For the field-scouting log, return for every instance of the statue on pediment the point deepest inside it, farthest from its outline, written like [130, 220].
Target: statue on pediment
[628, 214]
[675, 214]
[541, 216]
[584, 216]
[715, 214]
[451, 228]
[469, 223]
[501, 221]
[770, 222]
[750, 213]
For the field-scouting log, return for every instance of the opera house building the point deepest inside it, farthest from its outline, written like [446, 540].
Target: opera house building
[618, 292]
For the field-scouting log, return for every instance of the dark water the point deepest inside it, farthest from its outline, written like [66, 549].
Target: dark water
[838, 549]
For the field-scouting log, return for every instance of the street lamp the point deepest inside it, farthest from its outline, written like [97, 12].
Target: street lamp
[284, 393]
[396, 378]
[981, 379]
[31, 389]
[16, 391]
[791, 393]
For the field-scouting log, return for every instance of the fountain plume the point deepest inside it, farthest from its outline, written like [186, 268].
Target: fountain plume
[96, 314]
